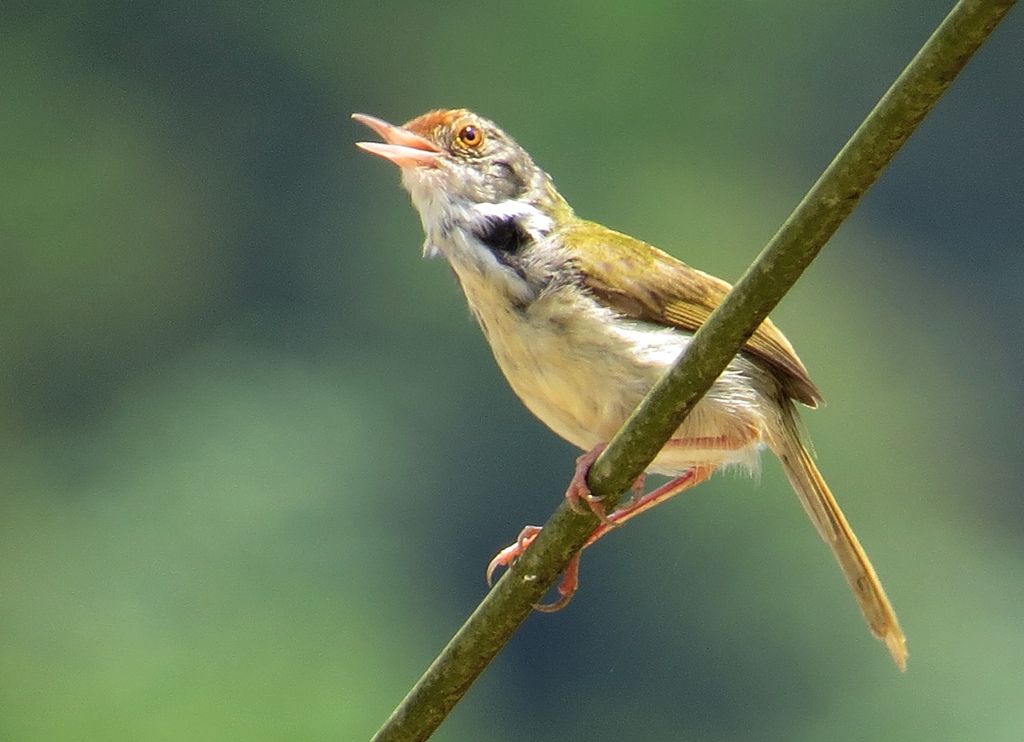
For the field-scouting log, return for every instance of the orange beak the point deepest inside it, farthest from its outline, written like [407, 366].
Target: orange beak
[402, 147]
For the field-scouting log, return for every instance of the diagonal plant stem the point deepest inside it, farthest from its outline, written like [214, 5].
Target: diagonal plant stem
[780, 264]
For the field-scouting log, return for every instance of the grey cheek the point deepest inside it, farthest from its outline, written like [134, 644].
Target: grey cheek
[509, 185]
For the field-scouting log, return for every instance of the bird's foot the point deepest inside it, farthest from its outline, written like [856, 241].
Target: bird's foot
[508, 556]
[579, 492]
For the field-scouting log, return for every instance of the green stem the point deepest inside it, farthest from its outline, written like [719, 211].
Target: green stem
[776, 269]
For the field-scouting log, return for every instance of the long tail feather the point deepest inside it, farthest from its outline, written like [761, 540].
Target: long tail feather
[824, 512]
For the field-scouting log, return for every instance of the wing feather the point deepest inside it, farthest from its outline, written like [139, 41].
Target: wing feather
[644, 283]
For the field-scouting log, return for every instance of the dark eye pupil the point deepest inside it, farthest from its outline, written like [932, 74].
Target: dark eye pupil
[470, 135]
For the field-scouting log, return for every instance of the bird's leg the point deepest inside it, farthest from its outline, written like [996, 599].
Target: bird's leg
[643, 502]
[640, 503]
[578, 491]
[571, 578]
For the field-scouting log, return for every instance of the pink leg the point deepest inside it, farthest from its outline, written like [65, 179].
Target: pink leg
[578, 488]
[570, 580]
[578, 491]
[656, 496]
[507, 556]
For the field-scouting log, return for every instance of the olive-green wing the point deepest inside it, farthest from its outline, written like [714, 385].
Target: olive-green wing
[645, 283]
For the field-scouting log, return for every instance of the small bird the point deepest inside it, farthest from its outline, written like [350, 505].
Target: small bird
[583, 321]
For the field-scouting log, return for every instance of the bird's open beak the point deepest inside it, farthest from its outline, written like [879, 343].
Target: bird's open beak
[402, 147]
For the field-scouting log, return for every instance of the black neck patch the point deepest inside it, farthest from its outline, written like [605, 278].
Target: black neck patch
[503, 235]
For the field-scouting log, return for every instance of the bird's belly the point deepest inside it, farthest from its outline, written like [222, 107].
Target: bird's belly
[582, 371]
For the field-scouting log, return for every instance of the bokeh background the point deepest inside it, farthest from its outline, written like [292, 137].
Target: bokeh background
[254, 454]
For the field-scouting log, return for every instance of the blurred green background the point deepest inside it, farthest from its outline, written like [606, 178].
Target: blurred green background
[254, 455]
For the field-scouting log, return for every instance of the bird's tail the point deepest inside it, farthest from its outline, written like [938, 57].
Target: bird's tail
[824, 512]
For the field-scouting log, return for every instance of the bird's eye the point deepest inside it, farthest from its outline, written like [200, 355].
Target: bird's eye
[470, 136]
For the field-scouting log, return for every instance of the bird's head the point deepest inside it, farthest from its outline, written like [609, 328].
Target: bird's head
[461, 169]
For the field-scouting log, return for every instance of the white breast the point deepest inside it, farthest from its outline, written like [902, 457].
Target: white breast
[581, 369]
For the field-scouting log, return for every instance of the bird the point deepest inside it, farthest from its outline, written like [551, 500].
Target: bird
[583, 320]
